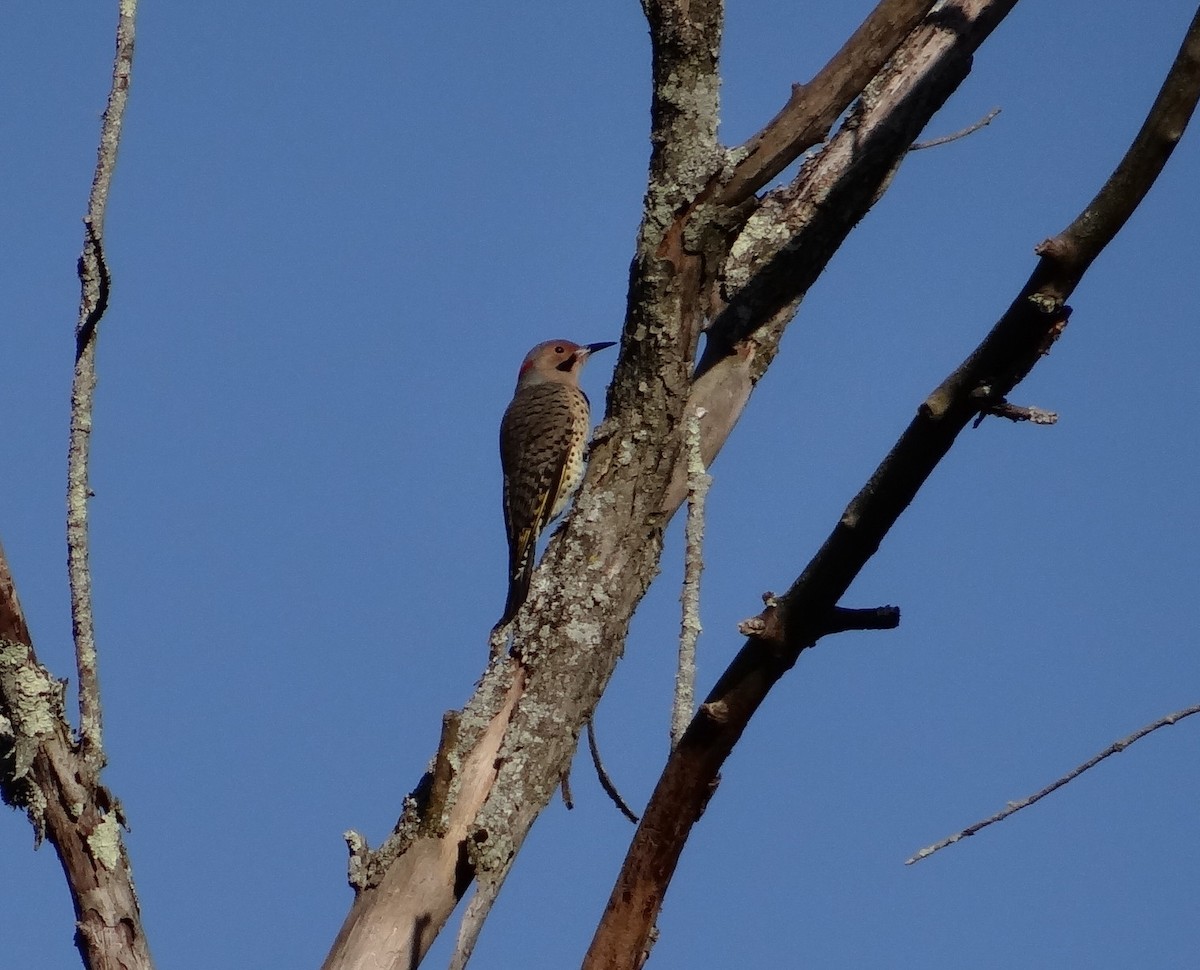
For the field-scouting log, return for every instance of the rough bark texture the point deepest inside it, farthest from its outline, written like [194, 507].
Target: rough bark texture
[93, 301]
[43, 770]
[738, 269]
[714, 258]
[809, 610]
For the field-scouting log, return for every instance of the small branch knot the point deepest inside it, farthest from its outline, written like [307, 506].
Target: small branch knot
[842, 619]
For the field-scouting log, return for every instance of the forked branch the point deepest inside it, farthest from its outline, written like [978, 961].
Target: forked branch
[1021, 337]
[600, 563]
[42, 769]
[813, 108]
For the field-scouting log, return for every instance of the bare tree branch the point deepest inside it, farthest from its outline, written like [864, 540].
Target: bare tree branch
[788, 239]
[42, 770]
[774, 252]
[600, 563]
[813, 108]
[1014, 807]
[781, 247]
[93, 300]
[797, 619]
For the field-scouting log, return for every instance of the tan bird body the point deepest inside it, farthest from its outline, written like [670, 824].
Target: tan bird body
[543, 436]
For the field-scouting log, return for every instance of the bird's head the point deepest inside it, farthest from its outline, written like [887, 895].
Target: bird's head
[558, 361]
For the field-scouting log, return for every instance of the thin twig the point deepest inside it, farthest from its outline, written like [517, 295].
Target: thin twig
[55, 777]
[1013, 807]
[945, 139]
[693, 565]
[605, 782]
[472, 924]
[1015, 412]
[94, 284]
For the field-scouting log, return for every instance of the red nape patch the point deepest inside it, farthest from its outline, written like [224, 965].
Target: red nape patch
[525, 365]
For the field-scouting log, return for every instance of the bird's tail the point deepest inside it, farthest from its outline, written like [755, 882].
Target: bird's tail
[520, 572]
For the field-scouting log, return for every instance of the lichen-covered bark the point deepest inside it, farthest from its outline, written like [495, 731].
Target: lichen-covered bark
[738, 269]
[809, 610]
[43, 772]
[43, 769]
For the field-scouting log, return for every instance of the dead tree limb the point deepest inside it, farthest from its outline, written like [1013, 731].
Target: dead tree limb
[814, 107]
[800, 617]
[43, 770]
[94, 283]
[1013, 807]
[692, 264]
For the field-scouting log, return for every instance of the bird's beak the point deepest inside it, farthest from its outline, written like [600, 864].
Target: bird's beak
[592, 348]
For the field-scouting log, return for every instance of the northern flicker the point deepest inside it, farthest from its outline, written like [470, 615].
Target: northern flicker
[542, 439]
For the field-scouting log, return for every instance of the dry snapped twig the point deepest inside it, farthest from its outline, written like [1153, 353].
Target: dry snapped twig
[797, 619]
[1013, 807]
[1014, 412]
[955, 136]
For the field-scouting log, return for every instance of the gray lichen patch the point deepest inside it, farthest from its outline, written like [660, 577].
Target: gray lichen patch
[33, 698]
[104, 843]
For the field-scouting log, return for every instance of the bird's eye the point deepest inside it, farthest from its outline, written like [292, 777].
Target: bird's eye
[560, 349]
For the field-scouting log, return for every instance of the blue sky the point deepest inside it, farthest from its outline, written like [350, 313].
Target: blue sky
[334, 233]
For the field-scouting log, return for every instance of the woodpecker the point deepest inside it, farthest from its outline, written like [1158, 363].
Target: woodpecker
[542, 439]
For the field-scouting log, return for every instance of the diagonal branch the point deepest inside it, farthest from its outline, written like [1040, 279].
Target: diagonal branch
[813, 108]
[1013, 807]
[1021, 337]
[983, 122]
[461, 827]
[789, 238]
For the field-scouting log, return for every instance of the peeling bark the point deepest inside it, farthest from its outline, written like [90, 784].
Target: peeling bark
[809, 610]
[739, 269]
